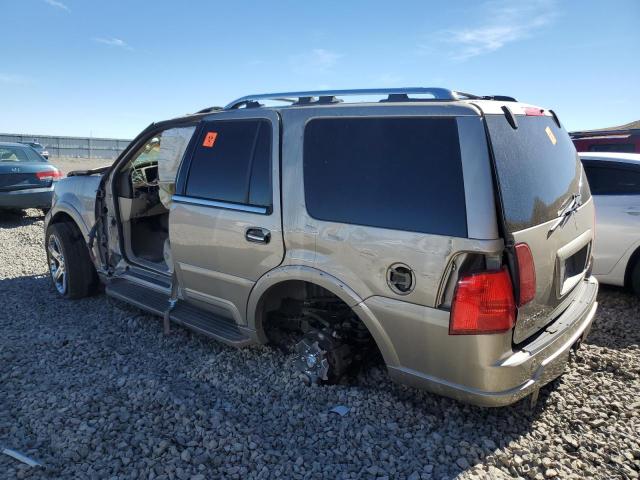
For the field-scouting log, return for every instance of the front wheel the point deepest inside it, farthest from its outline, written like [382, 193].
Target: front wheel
[70, 268]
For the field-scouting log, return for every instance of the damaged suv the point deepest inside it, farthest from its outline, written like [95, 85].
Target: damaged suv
[448, 233]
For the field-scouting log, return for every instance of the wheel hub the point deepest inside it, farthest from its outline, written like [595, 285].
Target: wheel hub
[312, 362]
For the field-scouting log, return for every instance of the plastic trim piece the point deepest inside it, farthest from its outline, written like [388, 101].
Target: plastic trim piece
[218, 204]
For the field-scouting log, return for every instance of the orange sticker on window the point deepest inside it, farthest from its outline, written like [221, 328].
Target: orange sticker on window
[210, 139]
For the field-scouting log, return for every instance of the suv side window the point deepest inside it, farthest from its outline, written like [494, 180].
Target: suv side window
[388, 172]
[610, 178]
[232, 163]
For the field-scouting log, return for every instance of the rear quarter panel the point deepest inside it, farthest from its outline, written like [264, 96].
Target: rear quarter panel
[360, 255]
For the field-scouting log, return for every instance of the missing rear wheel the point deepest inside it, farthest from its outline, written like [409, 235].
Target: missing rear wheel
[321, 357]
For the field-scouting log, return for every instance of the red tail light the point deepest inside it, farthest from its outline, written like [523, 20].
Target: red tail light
[527, 274]
[49, 175]
[483, 303]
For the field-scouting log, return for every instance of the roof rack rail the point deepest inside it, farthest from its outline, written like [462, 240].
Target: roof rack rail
[500, 98]
[209, 109]
[323, 96]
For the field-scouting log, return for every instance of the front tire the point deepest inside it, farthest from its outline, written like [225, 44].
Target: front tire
[70, 268]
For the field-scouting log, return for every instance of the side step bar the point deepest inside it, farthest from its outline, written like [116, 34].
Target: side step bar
[144, 298]
[186, 314]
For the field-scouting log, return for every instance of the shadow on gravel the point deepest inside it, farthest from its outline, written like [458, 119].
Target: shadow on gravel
[95, 389]
[40, 285]
[462, 436]
[19, 218]
[617, 321]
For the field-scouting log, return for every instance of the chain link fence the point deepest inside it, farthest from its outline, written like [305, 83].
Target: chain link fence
[72, 147]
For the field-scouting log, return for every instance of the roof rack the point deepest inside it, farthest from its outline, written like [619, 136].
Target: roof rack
[209, 110]
[330, 96]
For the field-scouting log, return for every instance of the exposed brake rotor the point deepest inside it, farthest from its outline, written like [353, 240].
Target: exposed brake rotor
[312, 362]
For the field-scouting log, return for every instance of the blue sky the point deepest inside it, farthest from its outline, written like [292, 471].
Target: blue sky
[109, 68]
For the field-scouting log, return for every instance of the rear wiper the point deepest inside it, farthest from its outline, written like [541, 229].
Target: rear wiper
[575, 202]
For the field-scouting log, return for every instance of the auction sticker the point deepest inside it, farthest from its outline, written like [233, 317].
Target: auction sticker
[551, 136]
[210, 139]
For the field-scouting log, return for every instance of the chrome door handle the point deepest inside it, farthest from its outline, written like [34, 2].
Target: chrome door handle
[632, 211]
[257, 235]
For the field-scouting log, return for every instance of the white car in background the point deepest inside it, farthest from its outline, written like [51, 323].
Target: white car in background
[614, 179]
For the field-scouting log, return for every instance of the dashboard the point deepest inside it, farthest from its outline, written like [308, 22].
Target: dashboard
[146, 176]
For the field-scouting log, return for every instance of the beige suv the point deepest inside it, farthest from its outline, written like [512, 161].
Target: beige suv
[449, 233]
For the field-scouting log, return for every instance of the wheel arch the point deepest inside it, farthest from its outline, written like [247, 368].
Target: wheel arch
[631, 263]
[64, 213]
[272, 281]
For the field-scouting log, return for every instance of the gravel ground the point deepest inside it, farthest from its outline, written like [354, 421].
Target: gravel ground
[92, 389]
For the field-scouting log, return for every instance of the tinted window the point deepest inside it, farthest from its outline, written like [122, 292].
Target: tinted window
[607, 178]
[613, 147]
[232, 162]
[398, 173]
[537, 167]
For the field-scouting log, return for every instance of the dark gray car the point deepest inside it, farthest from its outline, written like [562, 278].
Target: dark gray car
[38, 148]
[26, 179]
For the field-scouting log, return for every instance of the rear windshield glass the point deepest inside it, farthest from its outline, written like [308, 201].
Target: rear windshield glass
[19, 154]
[397, 173]
[538, 169]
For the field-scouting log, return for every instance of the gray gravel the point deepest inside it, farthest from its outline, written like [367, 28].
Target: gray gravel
[92, 389]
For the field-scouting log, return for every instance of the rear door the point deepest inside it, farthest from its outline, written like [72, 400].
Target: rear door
[225, 223]
[540, 181]
[19, 167]
[615, 187]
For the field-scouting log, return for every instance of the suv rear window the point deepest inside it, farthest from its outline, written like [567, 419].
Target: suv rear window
[389, 172]
[537, 168]
[232, 163]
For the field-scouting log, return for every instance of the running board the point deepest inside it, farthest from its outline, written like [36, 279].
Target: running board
[144, 298]
[215, 326]
[186, 314]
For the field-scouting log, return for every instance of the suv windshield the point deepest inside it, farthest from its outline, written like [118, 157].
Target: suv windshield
[538, 169]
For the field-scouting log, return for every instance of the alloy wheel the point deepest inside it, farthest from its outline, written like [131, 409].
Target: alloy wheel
[57, 267]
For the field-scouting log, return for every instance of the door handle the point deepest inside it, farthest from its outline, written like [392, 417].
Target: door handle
[633, 211]
[257, 235]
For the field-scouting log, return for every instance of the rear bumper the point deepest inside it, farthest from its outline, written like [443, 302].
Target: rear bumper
[30, 198]
[483, 370]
